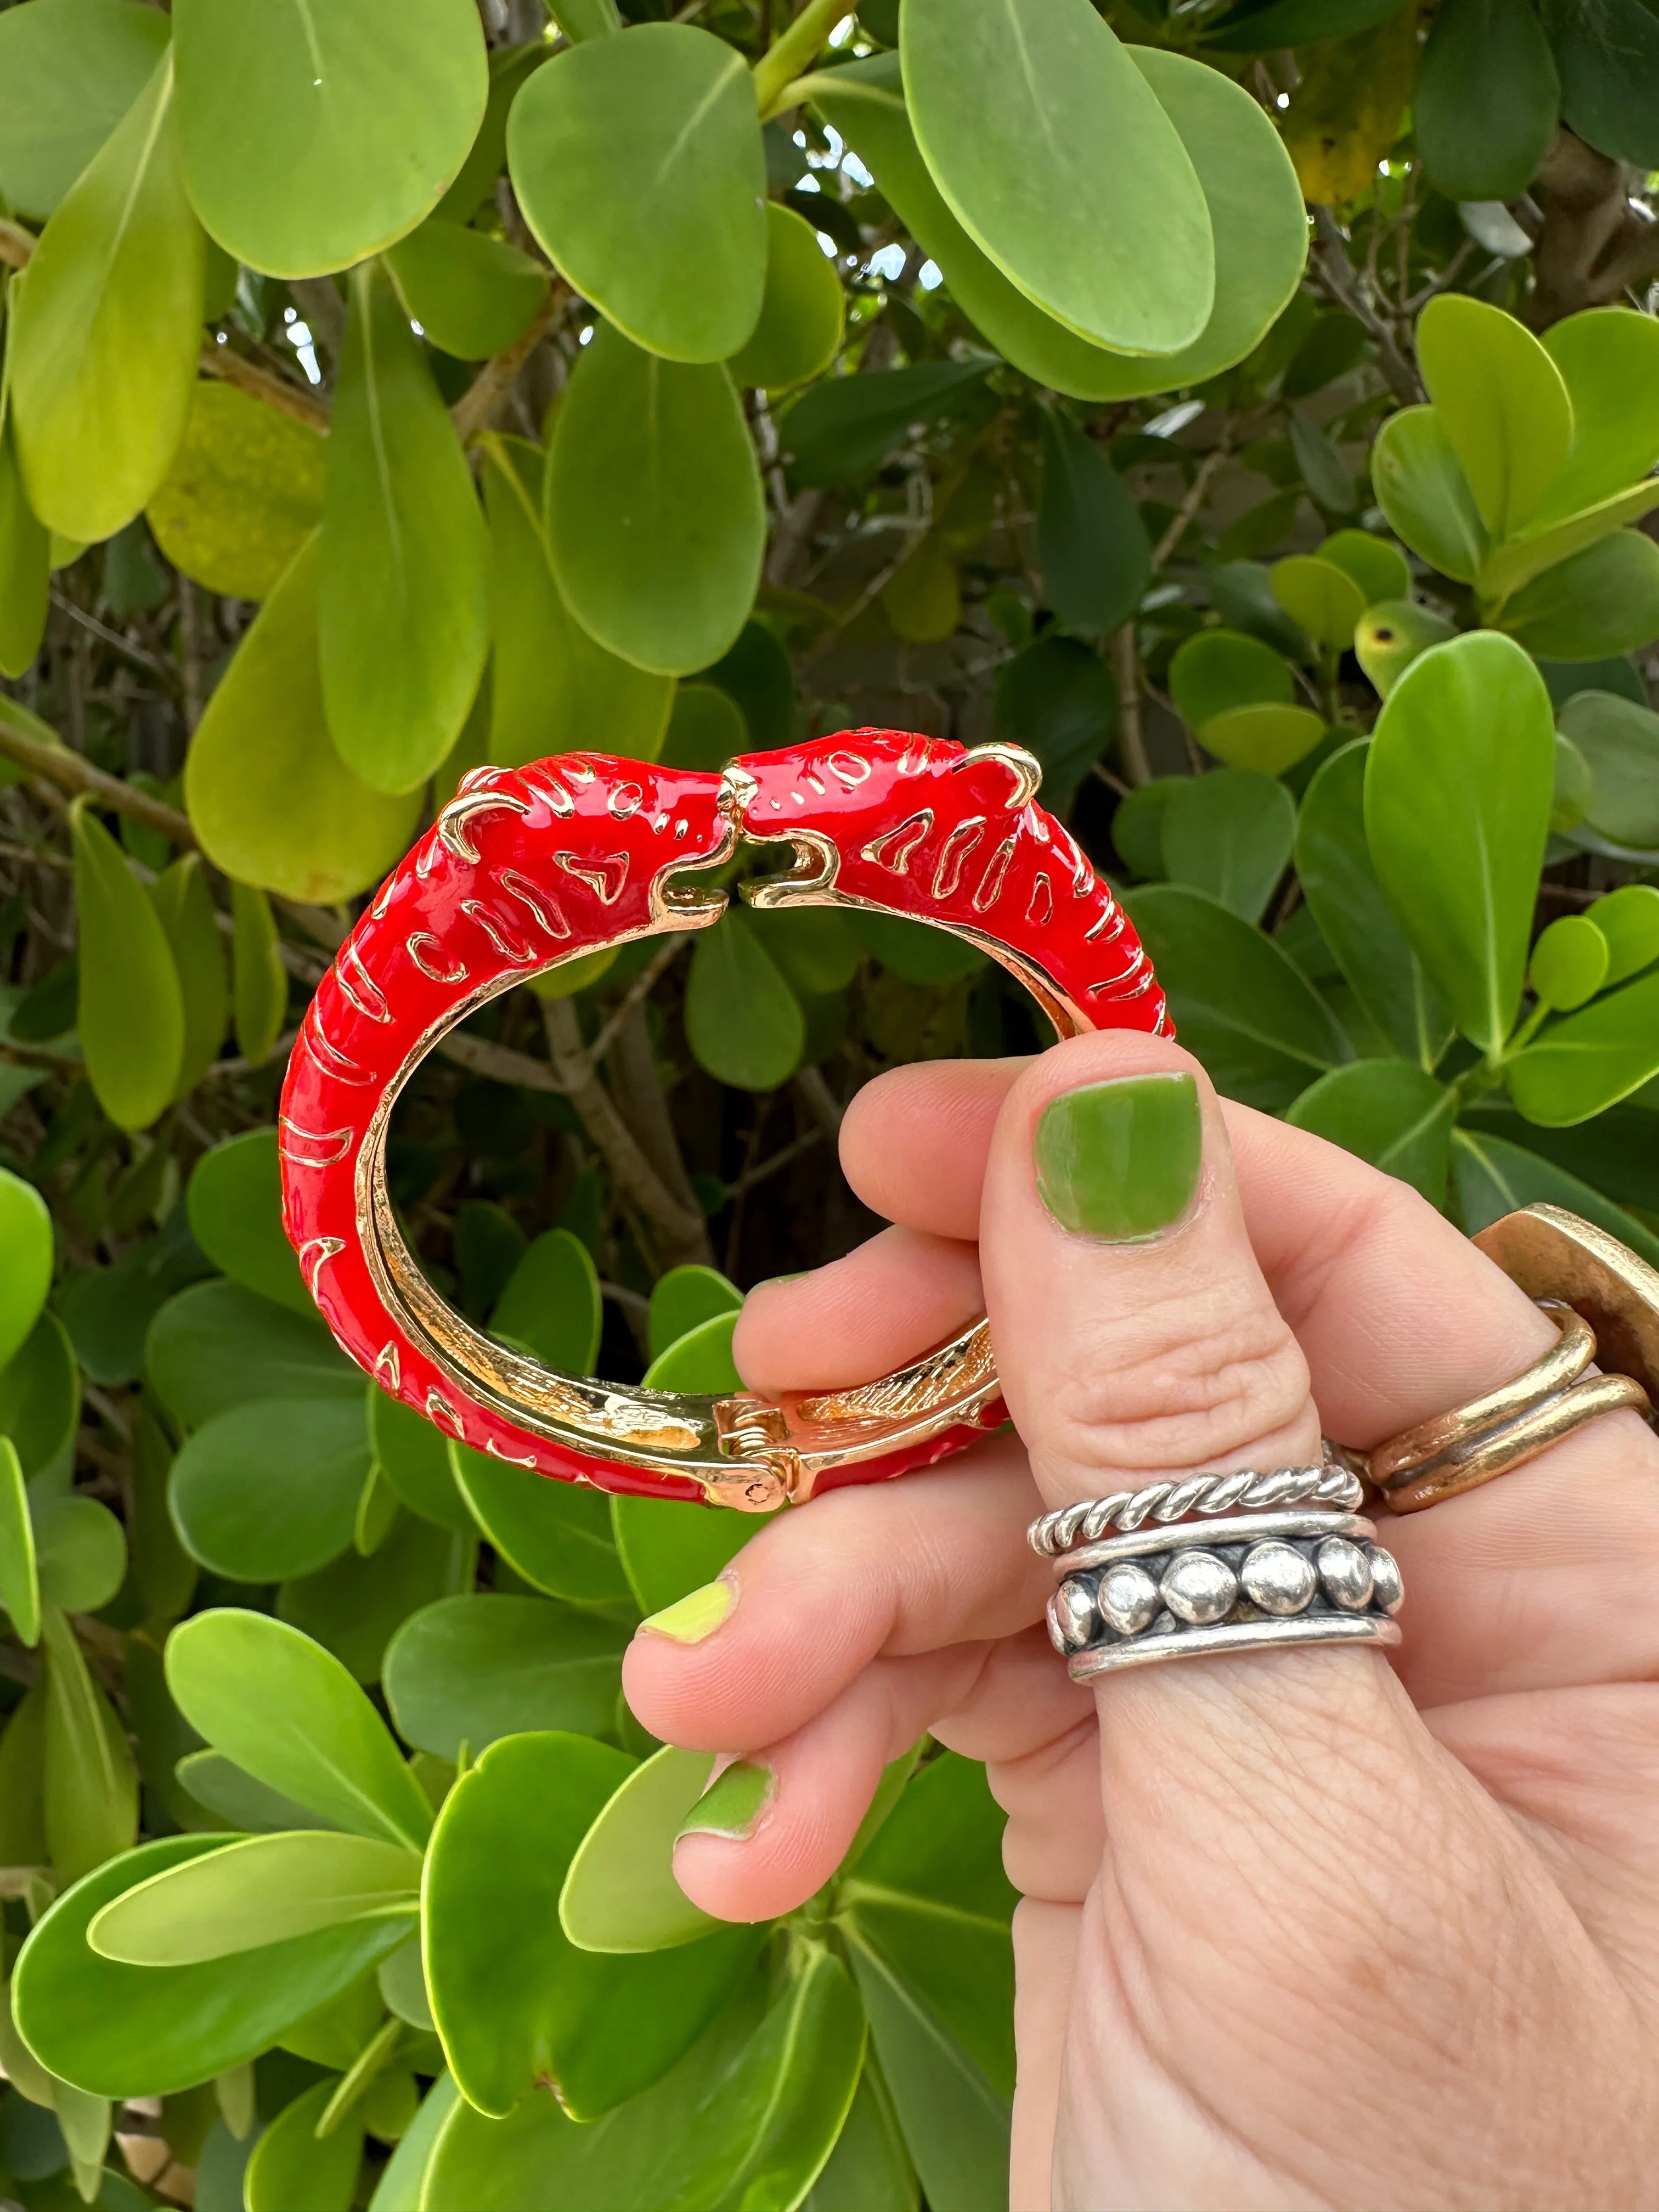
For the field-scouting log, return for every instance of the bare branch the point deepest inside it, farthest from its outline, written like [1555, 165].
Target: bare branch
[1343, 281]
[475, 410]
[232, 367]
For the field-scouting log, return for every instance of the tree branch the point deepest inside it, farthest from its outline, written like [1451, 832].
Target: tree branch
[232, 367]
[1343, 280]
[474, 410]
[58, 765]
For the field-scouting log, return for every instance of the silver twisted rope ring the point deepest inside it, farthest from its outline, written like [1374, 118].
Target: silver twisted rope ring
[1247, 1490]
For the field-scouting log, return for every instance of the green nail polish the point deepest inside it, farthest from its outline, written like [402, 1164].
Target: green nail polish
[733, 1802]
[694, 1616]
[1121, 1160]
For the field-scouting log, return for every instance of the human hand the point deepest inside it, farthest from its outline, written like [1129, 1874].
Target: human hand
[1299, 1927]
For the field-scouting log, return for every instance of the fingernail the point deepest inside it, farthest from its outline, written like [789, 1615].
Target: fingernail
[733, 1801]
[1121, 1160]
[694, 1616]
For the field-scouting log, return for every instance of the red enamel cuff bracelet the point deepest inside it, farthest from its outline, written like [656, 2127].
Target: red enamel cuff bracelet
[527, 867]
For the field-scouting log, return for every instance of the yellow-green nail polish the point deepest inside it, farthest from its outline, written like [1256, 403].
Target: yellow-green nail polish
[1121, 1160]
[733, 1802]
[694, 1616]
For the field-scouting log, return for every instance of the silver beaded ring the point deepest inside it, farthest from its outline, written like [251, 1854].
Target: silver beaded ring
[1247, 1490]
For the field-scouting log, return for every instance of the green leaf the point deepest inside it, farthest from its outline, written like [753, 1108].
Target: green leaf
[1340, 884]
[1059, 699]
[291, 2166]
[1093, 548]
[69, 70]
[285, 1710]
[1379, 568]
[271, 801]
[313, 139]
[414, 1457]
[742, 1022]
[552, 685]
[81, 1554]
[1546, 543]
[25, 1238]
[259, 980]
[847, 426]
[1492, 1177]
[1568, 963]
[1458, 790]
[40, 1396]
[216, 1345]
[637, 161]
[1265, 740]
[355, 1605]
[1253, 201]
[142, 2031]
[1609, 358]
[403, 2177]
[403, 590]
[686, 1297]
[235, 1201]
[869, 2169]
[270, 1489]
[758, 675]
[234, 1796]
[244, 493]
[1421, 488]
[131, 1016]
[555, 1534]
[1219, 669]
[818, 952]
[669, 1548]
[106, 328]
[19, 1585]
[620, 1894]
[655, 517]
[1106, 231]
[1620, 742]
[1319, 460]
[471, 294]
[1332, 346]
[1229, 834]
[260, 1891]
[1597, 603]
[1387, 1112]
[1251, 27]
[803, 311]
[1628, 920]
[552, 1303]
[184, 905]
[472, 1669]
[91, 1785]
[1245, 1008]
[516, 2003]
[1502, 403]
[1608, 58]
[24, 554]
[1321, 598]
[1488, 98]
[1591, 1060]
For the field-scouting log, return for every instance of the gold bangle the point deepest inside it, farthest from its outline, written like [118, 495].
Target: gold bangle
[1606, 1302]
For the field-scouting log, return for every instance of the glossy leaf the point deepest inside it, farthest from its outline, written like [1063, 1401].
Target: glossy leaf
[19, 1585]
[620, 1894]
[1502, 403]
[669, 1548]
[25, 561]
[759, 676]
[1340, 883]
[1602, 601]
[870, 2169]
[1620, 741]
[1609, 63]
[234, 1797]
[1265, 740]
[69, 70]
[1346, 114]
[655, 520]
[1458, 790]
[818, 952]
[107, 328]
[923, 599]
[1628, 921]
[1029, 176]
[25, 1238]
[1251, 27]
[91, 1792]
[555, 1534]
[637, 161]
[184, 905]
[244, 493]
[40, 1396]
[216, 1345]
[284, 1709]
[140, 2031]
[1219, 669]
[847, 426]
[515, 2001]
[271, 799]
[1095, 558]
[685, 1297]
[355, 1605]
[402, 2179]
[1241, 1005]
[291, 2166]
[259, 980]
[803, 310]
[474, 1668]
[81, 1554]
[1059, 699]
[235, 1202]
[552, 1303]
[311, 141]
[742, 1022]
[1488, 98]
[1319, 597]
[1229, 834]
[414, 1458]
[1378, 568]
[471, 294]
[403, 626]
[1421, 488]
[1609, 358]
[701, 1360]
[270, 1489]
[1568, 963]
[130, 1017]
[1588, 1060]
[1323, 469]
[1387, 1112]
[263, 1890]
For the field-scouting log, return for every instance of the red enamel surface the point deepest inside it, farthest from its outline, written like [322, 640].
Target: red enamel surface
[567, 850]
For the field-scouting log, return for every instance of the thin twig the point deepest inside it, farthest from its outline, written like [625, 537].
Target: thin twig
[1132, 741]
[819, 1100]
[1207, 469]
[747, 1180]
[473, 411]
[139, 653]
[233, 367]
[636, 993]
[1343, 279]
[57, 764]
[35, 856]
